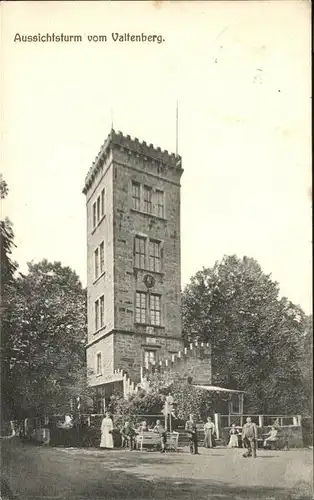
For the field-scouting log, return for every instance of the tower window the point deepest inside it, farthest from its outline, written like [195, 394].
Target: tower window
[99, 260]
[136, 196]
[102, 202]
[98, 209]
[148, 199]
[147, 254]
[140, 307]
[99, 312]
[148, 308]
[96, 263]
[155, 310]
[102, 257]
[149, 357]
[94, 215]
[139, 252]
[159, 203]
[154, 256]
[97, 315]
[98, 364]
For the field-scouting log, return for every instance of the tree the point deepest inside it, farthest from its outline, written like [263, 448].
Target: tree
[47, 358]
[307, 364]
[8, 267]
[140, 404]
[7, 284]
[256, 337]
[187, 398]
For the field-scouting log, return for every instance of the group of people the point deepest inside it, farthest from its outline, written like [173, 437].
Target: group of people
[209, 434]
[248, 434]
[249, 437]
[129, 433]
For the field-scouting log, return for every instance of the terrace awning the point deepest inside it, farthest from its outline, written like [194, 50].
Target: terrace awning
[214, 388]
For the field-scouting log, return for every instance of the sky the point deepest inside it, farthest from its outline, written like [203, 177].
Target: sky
[241, 74]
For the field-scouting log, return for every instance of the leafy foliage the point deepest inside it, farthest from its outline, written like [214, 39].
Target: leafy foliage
[187, 398]
[7, 284]
[140, 404]
[48, 335]
[8, 267]
[257, 338]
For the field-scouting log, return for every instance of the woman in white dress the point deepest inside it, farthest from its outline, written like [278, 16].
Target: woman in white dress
[106, 432]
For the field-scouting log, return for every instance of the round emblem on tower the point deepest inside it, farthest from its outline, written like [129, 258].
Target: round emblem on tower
[149, 280]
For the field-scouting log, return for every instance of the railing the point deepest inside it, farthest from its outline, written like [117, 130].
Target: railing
[261, 420]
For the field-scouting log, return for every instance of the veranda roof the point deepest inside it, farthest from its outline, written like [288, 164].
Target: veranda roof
[214, 388]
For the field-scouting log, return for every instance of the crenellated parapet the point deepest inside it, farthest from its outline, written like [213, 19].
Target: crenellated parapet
[134, 147]
[129, 387]
[192, 362]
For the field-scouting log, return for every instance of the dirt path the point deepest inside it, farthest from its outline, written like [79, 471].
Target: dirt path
[71, 474]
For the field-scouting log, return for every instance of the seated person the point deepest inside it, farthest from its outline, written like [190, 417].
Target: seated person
[163, 435]
[142, 427]
[272, 437]
[128, 434]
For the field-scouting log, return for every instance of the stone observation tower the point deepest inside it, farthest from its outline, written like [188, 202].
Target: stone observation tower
[133, 268]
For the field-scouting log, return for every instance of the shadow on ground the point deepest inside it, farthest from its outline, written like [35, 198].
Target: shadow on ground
[54, 474]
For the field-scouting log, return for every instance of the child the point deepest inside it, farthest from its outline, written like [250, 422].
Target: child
[233, 442]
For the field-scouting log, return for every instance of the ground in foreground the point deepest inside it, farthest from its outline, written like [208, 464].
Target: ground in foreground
[35, 473]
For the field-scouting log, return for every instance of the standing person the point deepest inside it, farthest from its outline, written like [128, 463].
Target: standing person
[106, 432]
[128, 434]
[234, 441]
[163, 435]
[249, 438]
[190, 427]
[209, 430]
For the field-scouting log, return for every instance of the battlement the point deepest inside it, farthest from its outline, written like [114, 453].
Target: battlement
[129, 387]
[133, 146]
[192, 362]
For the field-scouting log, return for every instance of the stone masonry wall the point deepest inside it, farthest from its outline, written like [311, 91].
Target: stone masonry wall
[192, 362]
[105, 347]
[103, 232]
[121, 160]
[129, 223]
[129, 351]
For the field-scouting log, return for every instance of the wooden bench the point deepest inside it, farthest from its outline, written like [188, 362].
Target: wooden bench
[152, 439]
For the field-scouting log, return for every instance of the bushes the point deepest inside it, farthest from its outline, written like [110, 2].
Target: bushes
[187, 398]
[140, 404]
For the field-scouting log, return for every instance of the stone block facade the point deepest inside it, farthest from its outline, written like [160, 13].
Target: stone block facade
[192, 364]
[129, 351]
[133, 261]
[129, 223]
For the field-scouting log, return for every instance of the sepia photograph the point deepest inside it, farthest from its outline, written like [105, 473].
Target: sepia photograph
[156, 250]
